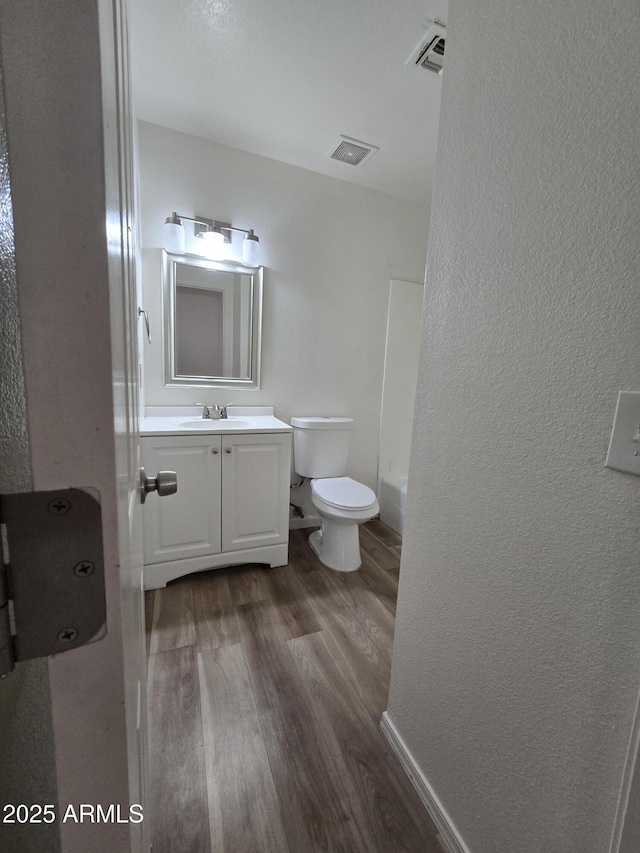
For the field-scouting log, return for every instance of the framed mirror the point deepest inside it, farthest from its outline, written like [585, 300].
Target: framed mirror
[212, 323]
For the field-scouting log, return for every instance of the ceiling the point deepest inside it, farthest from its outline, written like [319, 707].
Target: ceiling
[285, 78]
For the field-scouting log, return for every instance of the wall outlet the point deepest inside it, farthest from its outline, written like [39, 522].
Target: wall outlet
[624, 446]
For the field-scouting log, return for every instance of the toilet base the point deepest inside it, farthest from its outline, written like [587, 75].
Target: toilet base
[337, 546]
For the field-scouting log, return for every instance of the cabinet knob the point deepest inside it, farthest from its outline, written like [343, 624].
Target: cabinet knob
[214, 450]
[227, 450]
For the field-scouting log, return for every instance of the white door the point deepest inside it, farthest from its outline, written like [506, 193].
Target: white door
[72, 726]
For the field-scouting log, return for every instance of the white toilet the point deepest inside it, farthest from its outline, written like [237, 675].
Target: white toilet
[321, 450]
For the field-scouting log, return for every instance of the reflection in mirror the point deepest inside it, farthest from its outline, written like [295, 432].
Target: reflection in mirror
[212, 322]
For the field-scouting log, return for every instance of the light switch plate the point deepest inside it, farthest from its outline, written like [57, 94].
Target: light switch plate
[624, 446]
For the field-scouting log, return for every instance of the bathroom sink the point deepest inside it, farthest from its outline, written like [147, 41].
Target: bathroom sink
[188, 420]
[212, 425]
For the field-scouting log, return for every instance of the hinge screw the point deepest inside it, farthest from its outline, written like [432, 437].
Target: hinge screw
[84, 569]
[58, 506]
[67, 635]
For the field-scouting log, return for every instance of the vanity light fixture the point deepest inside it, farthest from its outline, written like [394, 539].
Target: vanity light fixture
[251, 250]
[215, 236]
[174, 240]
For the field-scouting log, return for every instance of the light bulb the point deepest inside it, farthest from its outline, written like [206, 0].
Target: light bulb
[214, 246]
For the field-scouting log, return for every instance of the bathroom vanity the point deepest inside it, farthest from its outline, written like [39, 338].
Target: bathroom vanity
[232, 503]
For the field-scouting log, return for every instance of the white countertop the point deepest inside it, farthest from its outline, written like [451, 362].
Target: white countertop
[188, 420]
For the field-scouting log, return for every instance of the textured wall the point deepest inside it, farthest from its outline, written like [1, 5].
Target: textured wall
[517, 653]
[329, 250]
[26, 730]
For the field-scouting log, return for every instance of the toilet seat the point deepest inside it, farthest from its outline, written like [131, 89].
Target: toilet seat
[343, 493]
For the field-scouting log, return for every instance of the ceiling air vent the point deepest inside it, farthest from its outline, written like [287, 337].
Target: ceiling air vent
[430, 52]
[351, 151]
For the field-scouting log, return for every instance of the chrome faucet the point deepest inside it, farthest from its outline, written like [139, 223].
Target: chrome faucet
[215, 412]
[206, 411]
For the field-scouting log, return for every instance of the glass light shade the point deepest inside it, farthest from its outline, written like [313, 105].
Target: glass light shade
[214, 246]
[251, 252]
[174, 237]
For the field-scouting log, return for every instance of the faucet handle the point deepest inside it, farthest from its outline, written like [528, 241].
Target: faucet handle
[205, 410]
[223, 410]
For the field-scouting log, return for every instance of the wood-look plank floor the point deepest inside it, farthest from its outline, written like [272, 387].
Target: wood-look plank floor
[266, 688]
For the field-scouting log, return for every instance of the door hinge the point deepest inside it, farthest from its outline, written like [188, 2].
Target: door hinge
[52, 595]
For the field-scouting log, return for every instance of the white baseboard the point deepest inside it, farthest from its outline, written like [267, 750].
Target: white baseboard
[450, 837]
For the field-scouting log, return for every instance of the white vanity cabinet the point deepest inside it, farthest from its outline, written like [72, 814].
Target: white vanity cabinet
[231, 507]
[255, 488]
[186, 524]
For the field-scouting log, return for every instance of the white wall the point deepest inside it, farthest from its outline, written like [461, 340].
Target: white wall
[329, 250]
[517, 651]
[404, 322]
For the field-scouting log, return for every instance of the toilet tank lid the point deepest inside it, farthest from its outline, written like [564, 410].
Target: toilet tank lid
[322, 423]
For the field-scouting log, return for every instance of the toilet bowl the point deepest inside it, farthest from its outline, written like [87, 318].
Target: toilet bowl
[321, 447]
[342, 505]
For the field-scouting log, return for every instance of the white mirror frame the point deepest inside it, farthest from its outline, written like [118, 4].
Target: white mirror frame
[171, 380]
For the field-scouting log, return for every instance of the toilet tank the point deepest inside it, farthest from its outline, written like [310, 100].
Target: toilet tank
[321, 446]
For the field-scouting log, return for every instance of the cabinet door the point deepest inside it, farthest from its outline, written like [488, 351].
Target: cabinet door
[255, 485]
[186, 524]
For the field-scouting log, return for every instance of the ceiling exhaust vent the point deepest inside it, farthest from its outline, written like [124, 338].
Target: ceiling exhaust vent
[351, 151]
[430, 52]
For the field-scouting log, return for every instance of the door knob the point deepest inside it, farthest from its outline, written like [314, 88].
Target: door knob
[164, 483]
[227, 450]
